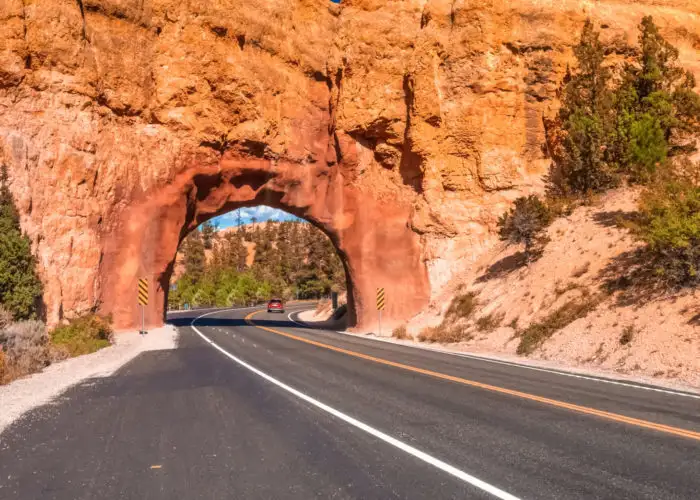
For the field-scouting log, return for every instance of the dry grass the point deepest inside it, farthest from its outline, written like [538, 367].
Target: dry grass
[535, 334]
[443, 334]
[25, 349]
[461, 307]
[5, 318]
[400, 333]
[489, 322]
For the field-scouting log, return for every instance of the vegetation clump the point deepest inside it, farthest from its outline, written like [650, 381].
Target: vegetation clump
[400, 333]
[535, 334]
[20, 287]
[461, 307]
[489, 322]
[525, 223]
[83, 335]
[669, 223]
[444, 334]
[24, 348]
[627, 335]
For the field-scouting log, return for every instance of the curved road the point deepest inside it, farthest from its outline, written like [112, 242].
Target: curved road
[254, 406]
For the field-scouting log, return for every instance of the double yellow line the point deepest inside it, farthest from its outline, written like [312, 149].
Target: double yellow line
[616, 417]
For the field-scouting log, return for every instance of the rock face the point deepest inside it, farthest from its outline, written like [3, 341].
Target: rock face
[401, 128]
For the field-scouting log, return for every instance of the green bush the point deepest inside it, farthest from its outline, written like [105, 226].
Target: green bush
[20, 288]
[82, 335]
[526, 223]
[669, 223]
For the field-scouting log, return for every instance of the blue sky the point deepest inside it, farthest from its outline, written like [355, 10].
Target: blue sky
[260, 213]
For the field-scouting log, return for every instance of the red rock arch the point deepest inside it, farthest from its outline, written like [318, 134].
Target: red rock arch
[371, 234]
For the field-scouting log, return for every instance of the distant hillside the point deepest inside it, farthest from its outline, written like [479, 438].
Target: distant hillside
[255, 261]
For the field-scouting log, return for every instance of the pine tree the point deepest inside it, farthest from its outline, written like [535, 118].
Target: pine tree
[194, 256]
[208, 231]
[20, 287]
[658, 113]
[586, 107]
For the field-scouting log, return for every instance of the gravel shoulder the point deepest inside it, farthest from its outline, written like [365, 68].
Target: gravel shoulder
[20, 396]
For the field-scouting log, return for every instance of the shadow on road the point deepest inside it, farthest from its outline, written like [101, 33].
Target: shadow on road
[231, 322]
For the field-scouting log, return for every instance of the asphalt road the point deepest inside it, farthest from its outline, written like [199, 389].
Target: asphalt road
[264, 408]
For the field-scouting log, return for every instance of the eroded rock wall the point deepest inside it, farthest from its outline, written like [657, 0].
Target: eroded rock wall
[402, 128]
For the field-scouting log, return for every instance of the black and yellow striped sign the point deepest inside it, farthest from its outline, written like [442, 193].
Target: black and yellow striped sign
[380, 299]
[143, 291]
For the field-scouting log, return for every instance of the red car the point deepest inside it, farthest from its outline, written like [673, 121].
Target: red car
[275, 305]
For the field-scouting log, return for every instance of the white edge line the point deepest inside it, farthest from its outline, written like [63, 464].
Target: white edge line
[512, 363]
[439, 464]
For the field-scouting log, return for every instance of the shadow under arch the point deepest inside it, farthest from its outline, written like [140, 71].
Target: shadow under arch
[371, 234]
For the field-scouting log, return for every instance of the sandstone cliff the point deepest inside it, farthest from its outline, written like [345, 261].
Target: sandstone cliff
[401, 128]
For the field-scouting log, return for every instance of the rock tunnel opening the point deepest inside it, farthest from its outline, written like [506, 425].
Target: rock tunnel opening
[252, 254]
[370, 233]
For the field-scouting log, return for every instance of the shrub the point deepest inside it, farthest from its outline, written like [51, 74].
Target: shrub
[26, 348]
[5, 318]
[525, 223]
[461, 307]
[20, 288]
[82, 335]
[670, 224]
[443, 334]
[627, 335]
[400, 332]
[535, 334]
[489, 322]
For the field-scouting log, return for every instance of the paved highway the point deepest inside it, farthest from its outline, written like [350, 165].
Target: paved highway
[252, 405]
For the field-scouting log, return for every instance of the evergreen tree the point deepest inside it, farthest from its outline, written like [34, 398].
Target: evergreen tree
[658, 112]
[585, 112]
[20, 287]
[208, 233]
[194, 256]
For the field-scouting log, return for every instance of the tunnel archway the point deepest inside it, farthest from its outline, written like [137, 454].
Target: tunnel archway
[254, 254]
[370, 233]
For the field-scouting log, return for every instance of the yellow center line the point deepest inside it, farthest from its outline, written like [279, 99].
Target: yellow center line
[523, 395]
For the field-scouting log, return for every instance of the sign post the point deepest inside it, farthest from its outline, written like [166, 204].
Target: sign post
[380, 307]
[143, 302]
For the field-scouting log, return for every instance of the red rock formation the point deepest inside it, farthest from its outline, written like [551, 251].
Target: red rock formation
[402, 129]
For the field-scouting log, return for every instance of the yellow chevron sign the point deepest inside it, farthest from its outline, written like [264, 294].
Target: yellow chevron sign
[380, 299]
[143, 292]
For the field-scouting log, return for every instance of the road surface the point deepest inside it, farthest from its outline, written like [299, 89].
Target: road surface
[254, 406]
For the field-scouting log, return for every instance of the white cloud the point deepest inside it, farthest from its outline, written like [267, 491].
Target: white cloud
[259, 214]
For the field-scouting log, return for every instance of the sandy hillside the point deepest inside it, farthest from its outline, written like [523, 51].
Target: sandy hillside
[629, 331]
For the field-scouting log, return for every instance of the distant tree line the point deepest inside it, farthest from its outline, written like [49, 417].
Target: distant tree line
[635, 123]
[291, 260]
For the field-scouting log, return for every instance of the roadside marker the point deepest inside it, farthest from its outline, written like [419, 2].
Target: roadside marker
[381, 301]
[143, 302]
